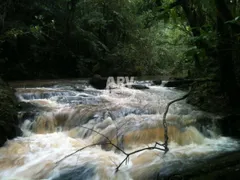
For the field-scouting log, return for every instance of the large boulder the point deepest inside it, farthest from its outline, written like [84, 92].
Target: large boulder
[157, 82]
[8, 114]
[98, 82]
[179, 83]
[138, 86]
[224, 166]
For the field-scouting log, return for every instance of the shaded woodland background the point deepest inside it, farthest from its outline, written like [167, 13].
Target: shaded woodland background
[44, 39]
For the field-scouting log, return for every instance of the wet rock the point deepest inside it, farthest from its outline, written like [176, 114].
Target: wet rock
[107, 122]
[138, 86]
[206, 125]
[225, 166]
[226, 126]
[8, 114]
[178, 83]
[29, 111]
[230, 125]
[80, 173]
[157, 82]
[98, 82]
[27, 106]
[32, 107]
[30, 115]
[78, 89]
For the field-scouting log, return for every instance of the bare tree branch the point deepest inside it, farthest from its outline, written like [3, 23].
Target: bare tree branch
[163, 147]
[107, 138]
[75, 153]
[165, 116]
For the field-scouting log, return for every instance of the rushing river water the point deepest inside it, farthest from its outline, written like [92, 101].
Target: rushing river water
[53, 123]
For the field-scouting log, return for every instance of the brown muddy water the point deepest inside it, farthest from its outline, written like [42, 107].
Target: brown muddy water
[52, 129]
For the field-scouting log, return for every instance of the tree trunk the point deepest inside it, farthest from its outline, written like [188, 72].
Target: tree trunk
[71, 7]
[225, 54]
[196, 21]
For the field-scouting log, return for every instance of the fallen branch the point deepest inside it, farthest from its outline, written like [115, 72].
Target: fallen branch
[137, 151]
[165, 144]
[163, 147]
[75, 153]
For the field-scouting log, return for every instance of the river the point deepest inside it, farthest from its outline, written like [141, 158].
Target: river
[60, 119]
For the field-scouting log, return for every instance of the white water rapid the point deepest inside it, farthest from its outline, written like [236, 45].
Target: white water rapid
[52, 129]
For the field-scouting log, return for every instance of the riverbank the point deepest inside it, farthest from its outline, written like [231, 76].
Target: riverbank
[225, 166]
[8, 114]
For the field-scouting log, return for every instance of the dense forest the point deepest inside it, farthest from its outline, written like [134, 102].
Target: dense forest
[51, 51]
[78, 38]
[44, 39]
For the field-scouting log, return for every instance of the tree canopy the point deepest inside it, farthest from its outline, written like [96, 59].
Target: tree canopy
[78, 38]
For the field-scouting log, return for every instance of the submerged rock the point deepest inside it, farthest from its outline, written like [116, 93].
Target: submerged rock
[8, 114]
[80, 173]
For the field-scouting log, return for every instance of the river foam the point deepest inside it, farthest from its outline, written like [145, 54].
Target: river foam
[131, 119]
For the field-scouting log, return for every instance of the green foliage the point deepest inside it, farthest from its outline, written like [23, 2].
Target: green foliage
[234, 21]
[95, 36]
[72, 38]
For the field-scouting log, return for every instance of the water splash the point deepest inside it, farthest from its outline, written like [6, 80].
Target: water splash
[66, 117]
